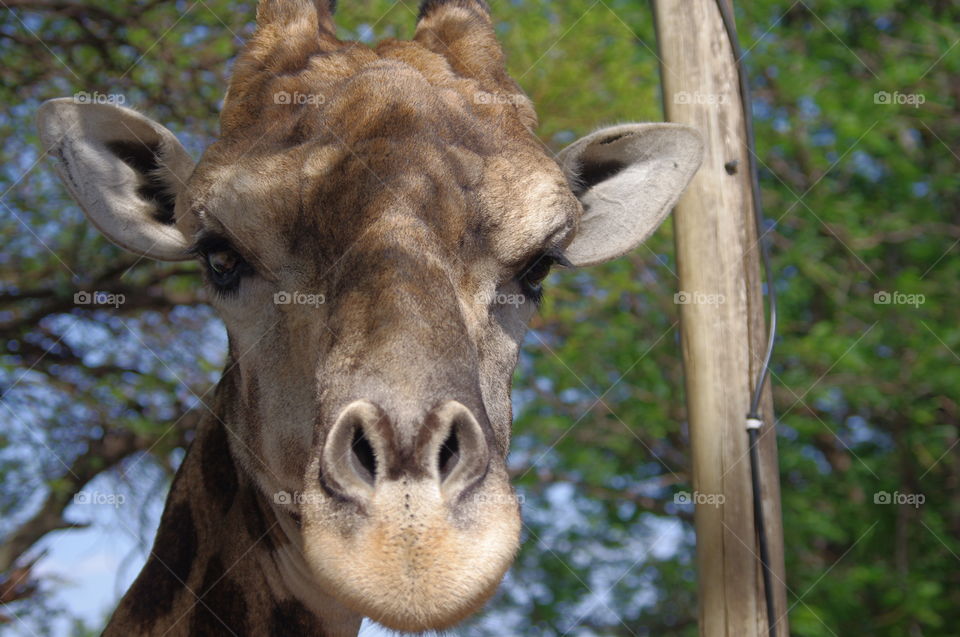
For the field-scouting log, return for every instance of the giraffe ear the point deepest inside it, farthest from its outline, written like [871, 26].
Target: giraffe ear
[124, 170]
[628, 179]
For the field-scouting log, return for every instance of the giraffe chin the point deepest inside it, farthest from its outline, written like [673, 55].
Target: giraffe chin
[412, 563]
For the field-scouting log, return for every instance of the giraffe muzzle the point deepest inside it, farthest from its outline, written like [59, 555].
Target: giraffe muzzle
[419, 524]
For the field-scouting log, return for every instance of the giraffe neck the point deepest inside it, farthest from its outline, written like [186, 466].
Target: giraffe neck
[225, 561]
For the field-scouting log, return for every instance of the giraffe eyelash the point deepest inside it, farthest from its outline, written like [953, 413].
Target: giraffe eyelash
[225, 266]
[540, 267]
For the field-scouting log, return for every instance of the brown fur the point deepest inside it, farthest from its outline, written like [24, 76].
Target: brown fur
[406, 187]
[213, 573]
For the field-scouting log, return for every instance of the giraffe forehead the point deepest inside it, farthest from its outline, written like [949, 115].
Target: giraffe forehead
[356, 92]
[354, 135]
[397, 121]
[326, 195]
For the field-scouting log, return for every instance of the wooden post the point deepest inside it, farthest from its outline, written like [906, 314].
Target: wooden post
[723, 326]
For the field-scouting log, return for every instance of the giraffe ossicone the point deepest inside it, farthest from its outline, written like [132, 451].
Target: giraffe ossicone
[374, 225]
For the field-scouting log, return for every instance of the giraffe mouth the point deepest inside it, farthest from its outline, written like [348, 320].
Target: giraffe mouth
[413, 563]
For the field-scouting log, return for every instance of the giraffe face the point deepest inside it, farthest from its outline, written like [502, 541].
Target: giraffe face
[376, 289]
[374, 226]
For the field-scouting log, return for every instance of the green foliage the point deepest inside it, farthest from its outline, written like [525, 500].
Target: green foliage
[864, 197]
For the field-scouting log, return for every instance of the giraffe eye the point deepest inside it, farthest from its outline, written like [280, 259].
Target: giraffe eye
[222, 262]
[225, 266]
[535, 271]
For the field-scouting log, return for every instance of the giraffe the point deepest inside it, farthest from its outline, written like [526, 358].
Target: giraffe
[374, 226]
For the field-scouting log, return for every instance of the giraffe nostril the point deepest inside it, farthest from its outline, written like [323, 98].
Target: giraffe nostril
[365, 461]
[449, 453]
[353, 454]
[462, 456]
[362, 455]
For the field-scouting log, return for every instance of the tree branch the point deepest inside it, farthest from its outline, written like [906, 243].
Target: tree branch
[102, 454]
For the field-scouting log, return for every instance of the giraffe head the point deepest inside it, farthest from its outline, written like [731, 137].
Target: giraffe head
[375, 225]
